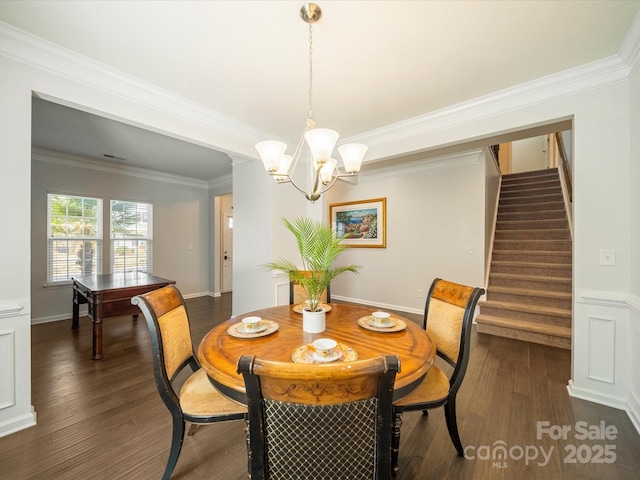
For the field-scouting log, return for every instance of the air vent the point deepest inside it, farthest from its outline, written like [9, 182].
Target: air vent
[113, 157]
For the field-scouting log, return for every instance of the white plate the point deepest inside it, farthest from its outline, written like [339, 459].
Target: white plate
[372, 322]
[262, 326]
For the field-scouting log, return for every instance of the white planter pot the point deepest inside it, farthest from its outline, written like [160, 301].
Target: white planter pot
[313, 322]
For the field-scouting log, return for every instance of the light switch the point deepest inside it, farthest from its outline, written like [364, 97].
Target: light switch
[607, 256]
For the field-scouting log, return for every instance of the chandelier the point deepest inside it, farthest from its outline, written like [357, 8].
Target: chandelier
[319, 141]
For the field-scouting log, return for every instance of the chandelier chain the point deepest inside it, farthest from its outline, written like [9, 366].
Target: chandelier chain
[323, 169]
[311, 72]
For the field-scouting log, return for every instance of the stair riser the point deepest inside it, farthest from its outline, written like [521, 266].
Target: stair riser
[555, 234]
[529, 192]
[553, 246]
[531, 229]
[560, 342]
[531, 284]
[525, 181]
[558, 270]
[530, 199]
[540, 318]
[542, 257]
[530, 300]
[532, 215]
[530, 207]
[531, 224]
[550, 172]
[521, 185]
[534, 174]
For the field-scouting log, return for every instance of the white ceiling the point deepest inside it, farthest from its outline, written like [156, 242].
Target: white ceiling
[375, 63]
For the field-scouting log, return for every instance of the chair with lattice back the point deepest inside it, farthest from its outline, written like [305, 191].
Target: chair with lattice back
[328, 421]
[448, 315]
[197, 402]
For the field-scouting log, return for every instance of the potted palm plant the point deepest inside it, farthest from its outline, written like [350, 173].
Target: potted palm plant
[319, 248]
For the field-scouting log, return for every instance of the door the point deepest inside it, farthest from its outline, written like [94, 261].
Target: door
[227, 252]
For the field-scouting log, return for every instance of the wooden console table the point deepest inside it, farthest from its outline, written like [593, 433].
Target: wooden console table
[110, 296]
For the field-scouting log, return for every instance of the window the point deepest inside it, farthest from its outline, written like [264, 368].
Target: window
[131, 237]
[74, 236]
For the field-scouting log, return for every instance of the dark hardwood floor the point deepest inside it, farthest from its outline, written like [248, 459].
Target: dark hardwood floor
[104, 419]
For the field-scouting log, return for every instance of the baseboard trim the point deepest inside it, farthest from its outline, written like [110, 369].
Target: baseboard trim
[595, 397]
[19, 423]
[388, 306]
[633, 411]
[56, 318]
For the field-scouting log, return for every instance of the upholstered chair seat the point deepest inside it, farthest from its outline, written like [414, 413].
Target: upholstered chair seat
[448, 314]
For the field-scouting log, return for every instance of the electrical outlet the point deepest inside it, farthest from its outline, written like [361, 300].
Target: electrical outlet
[472, 249]
[420, 293]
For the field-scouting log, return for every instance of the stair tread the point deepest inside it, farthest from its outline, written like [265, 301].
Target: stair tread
[523, 325]
[523, 307]
[530, 220]
[538, 278]
[530, 292]
[530, 264]
[532, 252]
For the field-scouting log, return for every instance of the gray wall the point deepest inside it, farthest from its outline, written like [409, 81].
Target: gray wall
[180, 220]
[435, 212]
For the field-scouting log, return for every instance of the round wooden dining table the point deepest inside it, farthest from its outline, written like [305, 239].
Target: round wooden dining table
[219, 351]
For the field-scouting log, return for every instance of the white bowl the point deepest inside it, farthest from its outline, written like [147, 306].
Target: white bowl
[381, 318]
[251, 323]
[324, 347]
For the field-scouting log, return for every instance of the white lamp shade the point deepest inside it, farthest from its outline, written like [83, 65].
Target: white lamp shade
[321, 142]
[283, 169]
[352, 155]
[271, 152]
[326, 171]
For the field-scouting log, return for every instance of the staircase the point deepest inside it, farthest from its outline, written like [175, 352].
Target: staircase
[529, 288]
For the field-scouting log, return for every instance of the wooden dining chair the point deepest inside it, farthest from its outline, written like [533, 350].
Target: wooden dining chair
[447, 318]
[297, 295]
[197, 402]
[328, 421]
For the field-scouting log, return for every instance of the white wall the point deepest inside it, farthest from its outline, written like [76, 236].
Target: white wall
[491, 198]
[92, 88]
[180, 221]
[435, 211]
[529, 154]
[634, 298]
[597, 98]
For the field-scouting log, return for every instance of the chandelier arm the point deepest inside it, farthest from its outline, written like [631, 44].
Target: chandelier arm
[327, 187]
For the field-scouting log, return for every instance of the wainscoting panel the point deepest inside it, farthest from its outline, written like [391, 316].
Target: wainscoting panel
[7, 369]
[16, 411]
[633, 406]
[602, 349]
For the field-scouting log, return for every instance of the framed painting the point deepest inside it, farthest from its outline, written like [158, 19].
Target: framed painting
[360, 224]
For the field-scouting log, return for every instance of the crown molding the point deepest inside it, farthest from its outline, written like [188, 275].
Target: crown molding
[460, 159]
[75, 161]
[597, 74]
[630, 49]
[220, 183]
[34, 51]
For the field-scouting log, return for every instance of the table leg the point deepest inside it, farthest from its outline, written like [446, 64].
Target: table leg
[76, 315]
[97, 340]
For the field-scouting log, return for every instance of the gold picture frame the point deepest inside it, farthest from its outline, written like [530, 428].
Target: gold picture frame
[361, 224]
